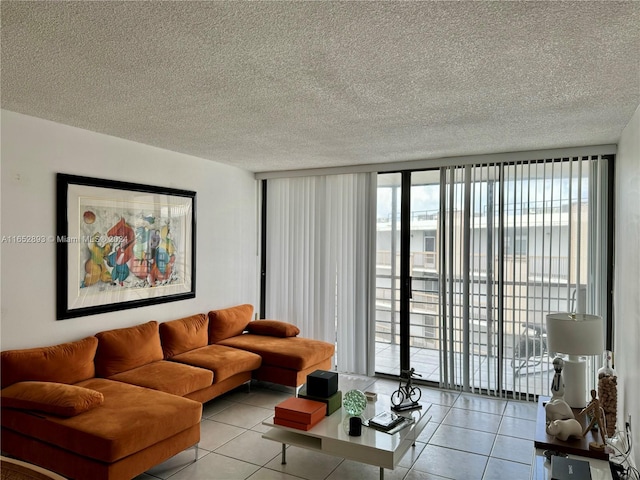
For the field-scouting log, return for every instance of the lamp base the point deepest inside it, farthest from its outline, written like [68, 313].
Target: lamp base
[575, 381]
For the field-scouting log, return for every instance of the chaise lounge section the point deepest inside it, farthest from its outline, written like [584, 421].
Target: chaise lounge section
[286, 358]
[58, 415]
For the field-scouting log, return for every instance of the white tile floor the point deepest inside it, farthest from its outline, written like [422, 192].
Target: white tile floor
[469, 437]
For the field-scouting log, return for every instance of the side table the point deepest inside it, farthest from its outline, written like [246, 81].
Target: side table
[573, 446]
[577, 448]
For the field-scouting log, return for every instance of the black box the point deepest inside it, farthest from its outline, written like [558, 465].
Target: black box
[322, 383]
[564, 468]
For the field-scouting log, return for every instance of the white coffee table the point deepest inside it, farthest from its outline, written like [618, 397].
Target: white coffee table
[373, 447]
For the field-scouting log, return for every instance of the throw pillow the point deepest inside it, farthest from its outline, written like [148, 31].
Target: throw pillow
[274, 328]
[49, 397]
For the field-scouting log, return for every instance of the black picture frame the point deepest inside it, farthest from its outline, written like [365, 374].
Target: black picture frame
[122, 245]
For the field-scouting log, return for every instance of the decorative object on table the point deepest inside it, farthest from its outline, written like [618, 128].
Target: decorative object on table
[408, 395]
[354, 402]
[566, 468]
[557, 408]
[322, 383]
[299, 413]
[575, 446]
[575, 335]
[122, 245]
[563, 429]
[389, 422]
[550, 453]
[608, 392]
[371, 396]
[334, 402]
[594, 411]
[355, 426]
[385, 420]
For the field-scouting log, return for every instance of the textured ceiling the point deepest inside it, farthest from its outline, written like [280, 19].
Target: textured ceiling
[287, 85]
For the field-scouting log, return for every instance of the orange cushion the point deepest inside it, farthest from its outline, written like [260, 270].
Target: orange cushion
[224, 362]
[50, 397]
[127, 348]
[294, 353]
[179, 336]
[228, 322]
[65, 363]
[167, 377]
[275, 328]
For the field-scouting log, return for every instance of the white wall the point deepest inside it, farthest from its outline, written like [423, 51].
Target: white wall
[34, 150]
[626, 298]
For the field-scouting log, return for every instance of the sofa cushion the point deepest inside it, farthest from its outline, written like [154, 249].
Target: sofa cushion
[224, 362]
[50, 397]
[127, 348]
[294, 353]
[228, 322]
[274, 328]
[179, 336]
[168, 377]
[129, 420]
[65, 363]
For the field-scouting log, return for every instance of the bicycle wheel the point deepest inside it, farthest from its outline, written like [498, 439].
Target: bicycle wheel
[415, 394]
[397, 398]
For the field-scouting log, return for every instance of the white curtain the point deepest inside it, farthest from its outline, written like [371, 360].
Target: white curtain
[319, 243]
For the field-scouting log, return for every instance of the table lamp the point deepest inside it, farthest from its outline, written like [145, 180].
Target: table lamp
[575, 335]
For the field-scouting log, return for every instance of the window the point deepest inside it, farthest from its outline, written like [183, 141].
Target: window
[516, 243]
[429, 243]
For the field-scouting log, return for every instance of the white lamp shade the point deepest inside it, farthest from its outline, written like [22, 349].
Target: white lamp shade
[575, 333]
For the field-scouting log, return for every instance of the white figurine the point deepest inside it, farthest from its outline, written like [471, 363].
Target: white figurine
[557, 408]
[563, 429]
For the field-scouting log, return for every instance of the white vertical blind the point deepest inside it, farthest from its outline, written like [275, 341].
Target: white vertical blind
[319, 246]
[532, 246]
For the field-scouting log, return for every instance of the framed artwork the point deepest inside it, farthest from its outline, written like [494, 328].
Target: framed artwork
[122, 245]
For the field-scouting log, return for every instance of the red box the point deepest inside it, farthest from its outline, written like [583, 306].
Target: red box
[301, 410]
[298, 425]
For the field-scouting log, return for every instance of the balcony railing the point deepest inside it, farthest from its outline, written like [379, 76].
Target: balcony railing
[529, 294]
[552, 269]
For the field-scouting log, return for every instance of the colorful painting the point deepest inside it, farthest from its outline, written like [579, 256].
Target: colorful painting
[122, 245]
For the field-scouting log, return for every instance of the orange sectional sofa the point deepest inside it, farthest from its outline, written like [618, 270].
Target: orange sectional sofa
[113, 405]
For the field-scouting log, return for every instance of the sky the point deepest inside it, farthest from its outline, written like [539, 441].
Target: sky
[427, 197]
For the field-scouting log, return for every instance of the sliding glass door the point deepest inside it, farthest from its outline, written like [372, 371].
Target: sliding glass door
[422, 283]
[470, 259]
